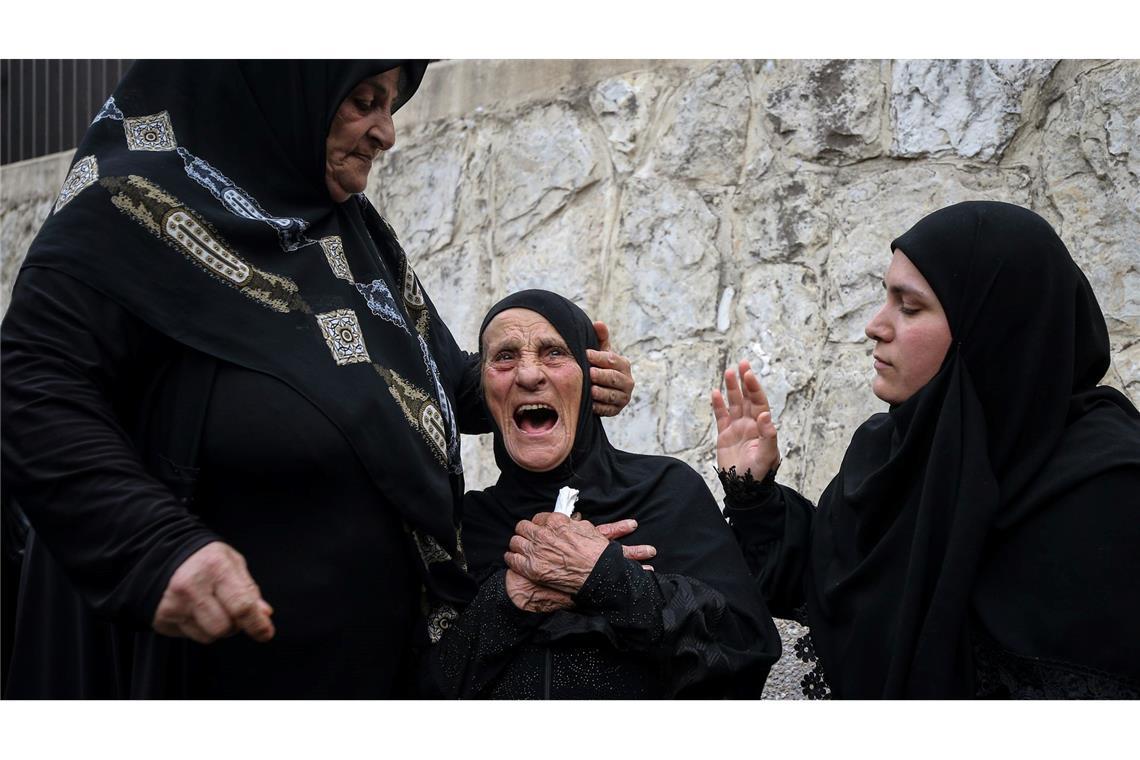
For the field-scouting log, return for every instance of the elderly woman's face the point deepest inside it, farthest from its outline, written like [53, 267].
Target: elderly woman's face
[533, 387]
[361, 129]
[910, 331]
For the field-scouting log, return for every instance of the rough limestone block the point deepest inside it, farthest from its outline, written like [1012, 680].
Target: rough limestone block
[829, 112]
[705, 127]
[451, 278]
[417, 184]
[624, 106]
[785, 217]
[28, 190]
[638, 427]
[542, 159]
[479, 469]
[693, 371]
[663, 273]
[968, 108]
[1090, 163]
[562, 254]
[780, 331]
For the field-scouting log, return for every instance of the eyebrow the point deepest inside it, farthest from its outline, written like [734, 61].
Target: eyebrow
[553, 342]
[905, 290]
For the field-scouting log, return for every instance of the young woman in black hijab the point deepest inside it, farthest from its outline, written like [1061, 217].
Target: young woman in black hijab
[217, 345]
[982, 538]
[598, 625]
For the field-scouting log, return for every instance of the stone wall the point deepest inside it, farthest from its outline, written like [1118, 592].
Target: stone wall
[713, 210]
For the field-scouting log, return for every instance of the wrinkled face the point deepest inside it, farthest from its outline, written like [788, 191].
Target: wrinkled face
[360, 130]
[533, 387]
[910, 331]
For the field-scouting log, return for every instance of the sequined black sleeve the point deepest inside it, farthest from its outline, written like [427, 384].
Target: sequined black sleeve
[469, 656]
[709, 643]
[772, 524]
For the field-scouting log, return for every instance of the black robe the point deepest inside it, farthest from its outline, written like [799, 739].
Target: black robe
[981, 538]
[196, 223]
[694, 627]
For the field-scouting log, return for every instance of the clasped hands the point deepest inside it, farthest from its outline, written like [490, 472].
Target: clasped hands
[551, 556]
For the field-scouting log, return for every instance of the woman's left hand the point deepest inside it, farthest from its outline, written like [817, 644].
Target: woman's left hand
[610, 374]
[555, 551]
[529, 596]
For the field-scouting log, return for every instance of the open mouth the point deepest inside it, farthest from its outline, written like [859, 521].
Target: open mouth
[535, 419]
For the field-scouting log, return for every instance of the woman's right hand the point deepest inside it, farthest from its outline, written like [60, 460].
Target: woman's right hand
[746, 435]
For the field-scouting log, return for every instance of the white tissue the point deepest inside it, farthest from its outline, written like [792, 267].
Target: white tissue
[567, 498]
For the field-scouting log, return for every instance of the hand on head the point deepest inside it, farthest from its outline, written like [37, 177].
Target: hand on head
[746, 435]
[211, 596]
[610, 374]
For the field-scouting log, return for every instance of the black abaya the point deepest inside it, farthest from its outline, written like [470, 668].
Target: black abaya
[694, 627]
[196, 221]
[990, 521]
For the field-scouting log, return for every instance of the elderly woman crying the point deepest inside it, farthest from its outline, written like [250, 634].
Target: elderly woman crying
[563, 611]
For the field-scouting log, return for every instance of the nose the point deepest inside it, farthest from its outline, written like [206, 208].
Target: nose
[529, 375]
[383, 130]
[879, 328]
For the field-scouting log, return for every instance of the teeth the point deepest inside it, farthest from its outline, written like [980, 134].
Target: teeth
[529, 407]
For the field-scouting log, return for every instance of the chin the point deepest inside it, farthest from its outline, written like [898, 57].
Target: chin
[882, 393]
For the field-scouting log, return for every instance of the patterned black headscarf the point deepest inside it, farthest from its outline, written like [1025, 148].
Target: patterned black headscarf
[198, 201]
[935, 495]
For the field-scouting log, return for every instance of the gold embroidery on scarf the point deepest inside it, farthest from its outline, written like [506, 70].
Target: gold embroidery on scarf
[420, 411]
[167, 219]
[414, 299]
[200, 244]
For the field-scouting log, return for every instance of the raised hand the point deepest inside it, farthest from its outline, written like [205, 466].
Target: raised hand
[610, 374]
[746, 435]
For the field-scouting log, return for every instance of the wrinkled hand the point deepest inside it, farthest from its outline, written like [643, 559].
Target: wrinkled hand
[212, 595]
[555, 551]
[746, 435]
[533, 597]
[610, 374]
[620, 529]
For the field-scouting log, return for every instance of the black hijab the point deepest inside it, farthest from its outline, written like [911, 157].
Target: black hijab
[197, 201]
[930, 492]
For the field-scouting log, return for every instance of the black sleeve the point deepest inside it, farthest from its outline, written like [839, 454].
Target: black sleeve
[471, 414]
[772, 524]
[478, 645]
[699, 610]
[72, 363]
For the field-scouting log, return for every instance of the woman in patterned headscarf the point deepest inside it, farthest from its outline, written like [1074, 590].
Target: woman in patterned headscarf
[979, 530]
[216, 345]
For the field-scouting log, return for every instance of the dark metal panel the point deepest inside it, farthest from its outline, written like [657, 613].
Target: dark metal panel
[47, 105]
